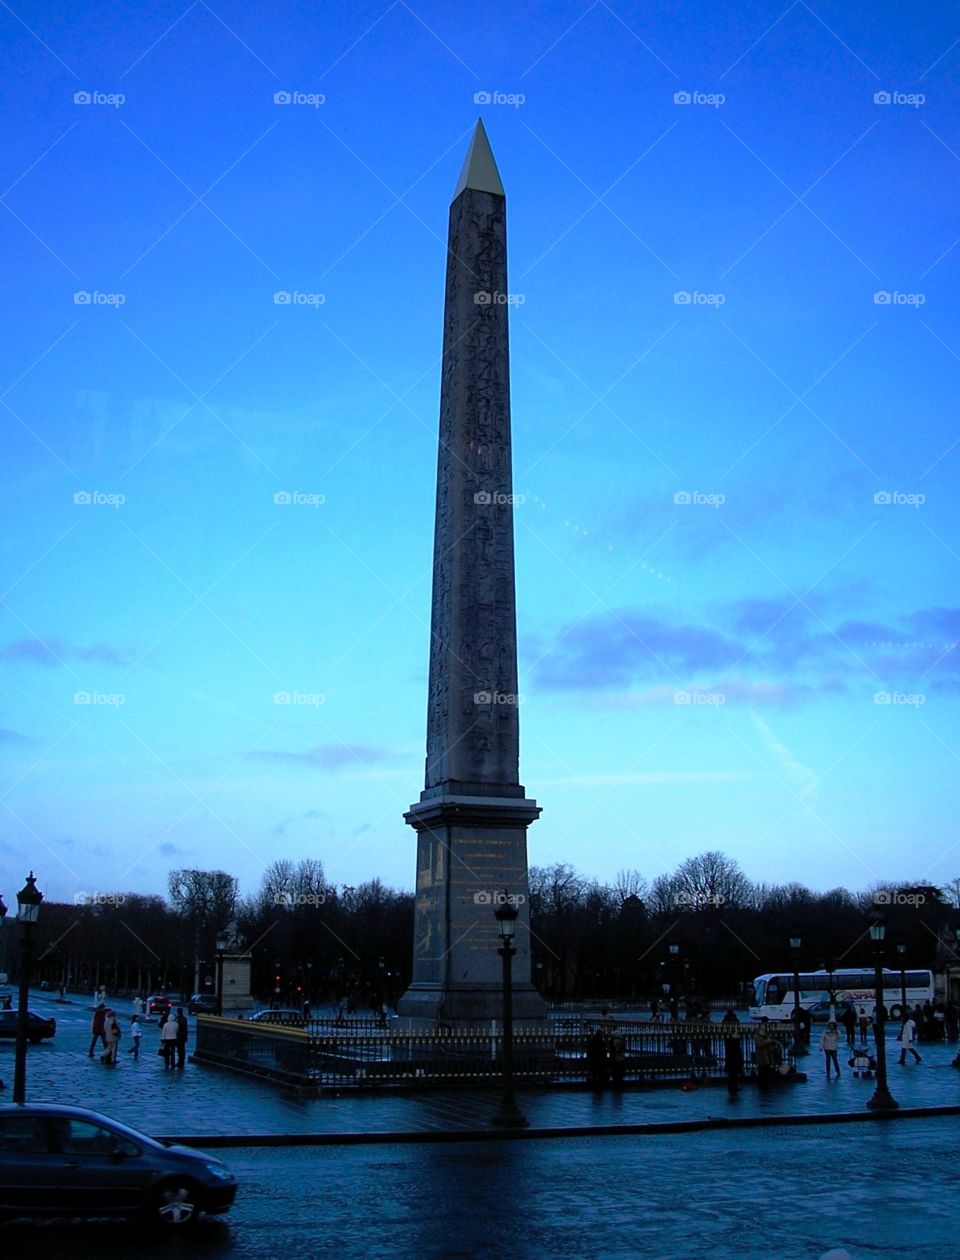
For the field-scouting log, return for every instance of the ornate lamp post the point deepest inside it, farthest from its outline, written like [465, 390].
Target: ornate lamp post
[28, 912]
[222, 944]
[828, 965]
[673, 948]
[902, 954]
[508, 1114]
[882, 1099]
[799, 1046]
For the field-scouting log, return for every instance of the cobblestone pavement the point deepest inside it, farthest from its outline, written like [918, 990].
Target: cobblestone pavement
[202, 1099]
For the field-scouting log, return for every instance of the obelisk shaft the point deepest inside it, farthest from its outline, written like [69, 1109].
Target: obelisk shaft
[472, 816]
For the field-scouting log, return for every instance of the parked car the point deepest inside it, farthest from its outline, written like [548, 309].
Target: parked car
[286, 1016]
[158, 1004]
[68, 1161]
[202, 1004]
[38, 1026]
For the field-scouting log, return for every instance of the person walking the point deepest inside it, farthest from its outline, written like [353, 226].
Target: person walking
[765, 1052]
[864, 1023]
[136, 1034]
[828, 1044]
[111, 1036]
[183, 1031]
[907, 1035]
[168, 1039]
[732, 1050]
[97, 1025]
[849, 1021]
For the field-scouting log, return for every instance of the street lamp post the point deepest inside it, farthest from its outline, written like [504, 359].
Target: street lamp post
[28, 912]
[882, 1099]
[902, 953]
[222, 944]
[798, 1040]
[673, 948]
[509, 1115]
[828, 966]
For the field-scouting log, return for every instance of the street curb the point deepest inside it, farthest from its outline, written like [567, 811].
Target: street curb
[708, 1124]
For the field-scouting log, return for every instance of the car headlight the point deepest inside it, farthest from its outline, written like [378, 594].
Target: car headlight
[219, 1171]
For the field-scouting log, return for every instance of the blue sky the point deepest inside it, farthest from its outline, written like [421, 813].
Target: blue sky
[694, 674]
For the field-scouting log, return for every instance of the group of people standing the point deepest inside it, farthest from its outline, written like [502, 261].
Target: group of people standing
[105, 1029]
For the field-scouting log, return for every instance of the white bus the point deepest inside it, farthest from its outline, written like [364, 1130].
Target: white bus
[773, 993]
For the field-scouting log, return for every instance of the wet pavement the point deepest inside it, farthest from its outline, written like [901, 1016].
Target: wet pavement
[206, 1100]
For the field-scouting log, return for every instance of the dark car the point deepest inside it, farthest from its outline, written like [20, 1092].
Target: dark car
[202, 1004]
[158, 1004]
[289, 1017]
[38, 1026]
[68, 1161]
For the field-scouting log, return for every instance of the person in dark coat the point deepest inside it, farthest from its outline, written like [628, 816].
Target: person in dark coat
[732, 1050]
[98, 1028]
[183, 1030]
[596, 1059]
[849, 1021]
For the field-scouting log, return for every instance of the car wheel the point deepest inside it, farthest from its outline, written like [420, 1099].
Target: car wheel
[175, 1204]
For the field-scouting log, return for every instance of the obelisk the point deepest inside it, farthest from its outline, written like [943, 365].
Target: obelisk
[472, 816]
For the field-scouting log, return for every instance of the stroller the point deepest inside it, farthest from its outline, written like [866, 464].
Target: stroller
[863, 1063]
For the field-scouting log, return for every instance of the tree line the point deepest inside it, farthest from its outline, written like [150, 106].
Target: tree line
[705, 929]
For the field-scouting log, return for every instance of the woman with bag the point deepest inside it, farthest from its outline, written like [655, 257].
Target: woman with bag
[168, 1040]
[111, 1034]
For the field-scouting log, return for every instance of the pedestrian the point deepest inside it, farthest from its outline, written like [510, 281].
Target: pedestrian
[617, 1061]
[654, 1007]
[136, 1033]
[828, 1044]
[765, 1051]
[939, 1022]
[849, 1021]
[111, 1039]
[183, 1030]
[952, 1021]
[732, 1050]
[596, 1059]
[864, 1023]
[806, 1020]
[97, 1025]
[168, 1039]
[907, 1035]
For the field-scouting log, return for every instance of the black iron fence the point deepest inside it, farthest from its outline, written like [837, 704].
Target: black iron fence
[323, 1055]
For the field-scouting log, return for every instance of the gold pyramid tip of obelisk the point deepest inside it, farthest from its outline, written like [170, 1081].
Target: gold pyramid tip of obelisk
[479, 168]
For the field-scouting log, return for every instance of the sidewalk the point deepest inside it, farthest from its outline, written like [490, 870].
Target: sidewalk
[202, 1100]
